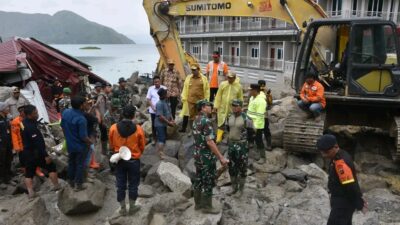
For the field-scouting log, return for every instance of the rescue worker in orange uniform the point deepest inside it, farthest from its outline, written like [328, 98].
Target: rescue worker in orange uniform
[312, 97]
[127, 173]
[216, 72]
[346, 196]
[18, 146]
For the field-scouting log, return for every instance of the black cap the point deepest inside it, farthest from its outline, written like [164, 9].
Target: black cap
[254, 87]
[326, 142]
[122, 79]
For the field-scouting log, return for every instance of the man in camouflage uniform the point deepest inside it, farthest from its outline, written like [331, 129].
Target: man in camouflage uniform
[123, 93]
[114, 114]
[65, 102]
[239, 126]
[205, 155]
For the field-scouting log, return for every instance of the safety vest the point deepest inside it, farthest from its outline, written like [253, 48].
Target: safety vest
[256, 111]
[220, 73]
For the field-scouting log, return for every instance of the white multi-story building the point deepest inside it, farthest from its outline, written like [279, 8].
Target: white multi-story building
[264, 48]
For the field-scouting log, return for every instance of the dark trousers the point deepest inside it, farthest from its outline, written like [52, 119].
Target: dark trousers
[76, 162]
[127, 173]
[267, 132]
[213, 92]
[153, 128]
[5, 164]
[341, 216]
[173, 101]
[103, 132]
[260, 143]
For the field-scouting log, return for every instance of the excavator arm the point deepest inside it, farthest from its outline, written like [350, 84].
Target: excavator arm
[163, 29]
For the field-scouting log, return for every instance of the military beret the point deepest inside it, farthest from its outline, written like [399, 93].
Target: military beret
[201, 103]
[237, 102]
[67, 90]
[121, 80]
[326, 142]
[115, 102]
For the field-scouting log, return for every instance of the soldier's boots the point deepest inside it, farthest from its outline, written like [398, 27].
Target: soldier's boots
[235, 186]
[197, 200]
[123, 211]
[208, 206]
[133, 208]
[241, 182]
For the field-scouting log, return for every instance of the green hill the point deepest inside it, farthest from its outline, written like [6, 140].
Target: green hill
[64, 27]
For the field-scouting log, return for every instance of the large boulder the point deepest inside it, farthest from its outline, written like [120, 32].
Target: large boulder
[314, 198]
[272, 193]
[147, 128]
[275, 162]
[89, 200]
[369, 182]
[172, 148]
[143, 216]
[293, 216]
[315, 174]
[374, 163]
[385, 204]
[193, 217]
[295, 174]
[172, 176]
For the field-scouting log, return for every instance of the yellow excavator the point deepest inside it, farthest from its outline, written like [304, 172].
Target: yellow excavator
[355, 59]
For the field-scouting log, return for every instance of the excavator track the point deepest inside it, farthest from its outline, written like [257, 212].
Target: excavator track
[300, 134]
[396, 152]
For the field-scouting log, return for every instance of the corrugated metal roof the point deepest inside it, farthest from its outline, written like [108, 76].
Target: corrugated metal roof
[8, 56]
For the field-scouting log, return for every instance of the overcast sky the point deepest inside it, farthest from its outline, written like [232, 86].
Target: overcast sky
[125, 16]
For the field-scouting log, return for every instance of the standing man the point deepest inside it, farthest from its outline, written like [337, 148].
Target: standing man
[15, 101]
[34, 153]
[312, 97]
[123, 93]
[228, 90]
[218, 70]
[65, 102]
[57, 92]
[74, 125]
[195, 88]
[266, 93]
[152, 99]
[163, 119]
[170, 78]
[346, 196]
[5, 144]
[256, 111]
[205, 155]
[102, 105]
[127, 173]
[238, 124]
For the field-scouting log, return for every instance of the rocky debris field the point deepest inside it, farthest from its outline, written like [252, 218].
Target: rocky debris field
[289, 189]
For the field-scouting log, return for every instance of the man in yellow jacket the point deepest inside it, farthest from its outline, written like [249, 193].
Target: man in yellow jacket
[195, 88]
[256, 111]
[228, 90]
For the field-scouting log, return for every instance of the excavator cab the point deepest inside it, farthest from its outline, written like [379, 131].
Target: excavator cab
[362, 60]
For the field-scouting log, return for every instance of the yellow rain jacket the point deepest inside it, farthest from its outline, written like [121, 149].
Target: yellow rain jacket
[256, 111]
[185, 93]
[226, 93]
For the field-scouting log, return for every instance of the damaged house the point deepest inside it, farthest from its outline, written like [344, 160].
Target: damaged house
[34, 66]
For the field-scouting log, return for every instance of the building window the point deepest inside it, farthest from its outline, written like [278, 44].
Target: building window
[280, 54]
[255, 19]
[195, 22]
[219, 49]
[254, 52]
[196, 49]
[336, 7]
[220, 19]
[237, 52]
[375, 7]
[354, 7]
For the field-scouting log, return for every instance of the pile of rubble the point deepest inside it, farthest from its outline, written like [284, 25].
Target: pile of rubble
[289, 189]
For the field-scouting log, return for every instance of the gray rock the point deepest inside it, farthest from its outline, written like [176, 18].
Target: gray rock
[168, 202]
[172, 148]
[369, 182]
[315, 174]
[89, 200]
[276, 179]
[272, 193]
[19, 210]
[192, 217]
[293, 186]
[385, 204]
[158, 219]
[145, 191]
[190, 169]
[275, 162]
[141, 217]
[370, 218]
[292, 216]
[172, 177]
[277, 133]
[295, 174]
[294, 161]
[147, 128]
[314, 199]
[374, 163]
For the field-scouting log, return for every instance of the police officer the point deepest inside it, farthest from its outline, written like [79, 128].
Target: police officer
[205, 155]
[238, 125]
[346, 196]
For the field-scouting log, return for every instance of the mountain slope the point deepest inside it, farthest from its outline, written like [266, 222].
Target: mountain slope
[64, 27]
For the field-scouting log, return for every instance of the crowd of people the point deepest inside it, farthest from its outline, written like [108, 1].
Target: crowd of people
[213, 100]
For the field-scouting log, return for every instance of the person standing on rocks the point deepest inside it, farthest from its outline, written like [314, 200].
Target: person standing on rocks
[266, 93]
[102, 105]
[171, 79]
[65, 102]
[312, 98]
[228, 90]
[346, 196]
[57, 92]
[5, 145]
[218, 70]
[74, 125]
[15, 101]
[256, 111]
[195, 88]
[205, 155]
[152, 99]
[127, 133]
[34, 153]
[123, 93]
[163, 119]
[16, 135]
[238, 124]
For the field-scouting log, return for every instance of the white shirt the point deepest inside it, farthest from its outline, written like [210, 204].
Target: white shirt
[153, 96]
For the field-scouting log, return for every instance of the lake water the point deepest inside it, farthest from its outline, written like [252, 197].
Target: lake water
[114, 61]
